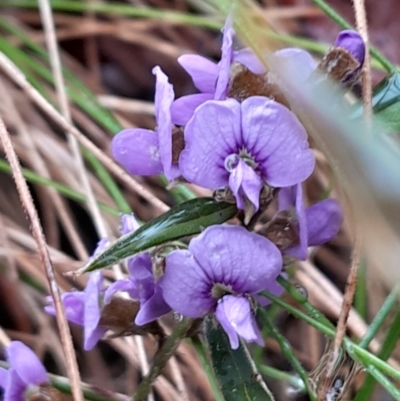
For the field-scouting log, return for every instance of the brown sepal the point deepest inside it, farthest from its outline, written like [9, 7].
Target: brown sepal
[339, 64]
[281, 230]
[245, 84]
[119, 315]
[178, 144]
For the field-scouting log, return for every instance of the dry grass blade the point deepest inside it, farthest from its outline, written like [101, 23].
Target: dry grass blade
[18, 77]
[48, 23]
[26, 199]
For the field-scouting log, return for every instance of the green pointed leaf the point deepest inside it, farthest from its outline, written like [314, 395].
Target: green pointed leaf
[234, 369]
[188, 218]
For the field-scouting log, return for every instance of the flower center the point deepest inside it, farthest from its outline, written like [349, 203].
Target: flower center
[218, 290]
[232, 160]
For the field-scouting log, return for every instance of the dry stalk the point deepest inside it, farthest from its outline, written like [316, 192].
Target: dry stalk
[11, 70]
[26, 199]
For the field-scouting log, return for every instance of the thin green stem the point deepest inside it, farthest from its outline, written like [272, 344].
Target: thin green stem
[301, 299]
[387, 348]
[202, 355]
[126, 10]
[349, 346]
[380, 317]
[293, 380]
[361, 294]
[161, 358]
[287, 351]
[62, 189]
[331, 13]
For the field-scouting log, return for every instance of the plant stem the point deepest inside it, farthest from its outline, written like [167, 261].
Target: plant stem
[380, 317]
[349, 346]
[161, 358]
[387, 347]
[287, 351]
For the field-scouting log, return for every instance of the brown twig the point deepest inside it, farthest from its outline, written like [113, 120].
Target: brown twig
[9, 68]
[26, 199]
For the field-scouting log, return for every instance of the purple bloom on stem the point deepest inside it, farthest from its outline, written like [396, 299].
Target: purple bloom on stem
[142, 286]
[222, 267]
[84, 307]
[25, 370]
[316, 225]
[146, 152]
[353, 42]
[210, 78]
[245, 145]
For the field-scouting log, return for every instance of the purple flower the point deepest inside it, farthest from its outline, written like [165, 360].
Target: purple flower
[353, 42]
[211, 79]
[222, 267]
[142, 286]
[146, 152]
[289, 60]
[316, 225]
[25, 370]
[245, 145]
[84, 307]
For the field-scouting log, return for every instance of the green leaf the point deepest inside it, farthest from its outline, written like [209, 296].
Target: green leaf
[188, 218]
[234, 369]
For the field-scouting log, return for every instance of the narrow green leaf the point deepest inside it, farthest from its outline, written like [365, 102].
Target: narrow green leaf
[234, 369]
[188, 218]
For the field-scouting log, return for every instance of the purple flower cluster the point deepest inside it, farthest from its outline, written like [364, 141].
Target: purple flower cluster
[235, 136]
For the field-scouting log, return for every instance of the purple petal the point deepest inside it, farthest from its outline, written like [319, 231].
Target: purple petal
[15, 387]
[26, 364]
[74, 304]
[203, 71]
[324, 220]
[182, 109]
[353, 42]
[153, 308]
[210, 136]
[140, 270]
[100, 247]
[244, 181]
[185, 285]
[92, 331]
[293, 59]
[247, 58]
[277, 141]
[293, 197]
[121, 285]
[3, 377]
[163, 101]
[129, 224]
[275, 289]
[236, 312]
[225, 63]
[222, 252]
[137, 150]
